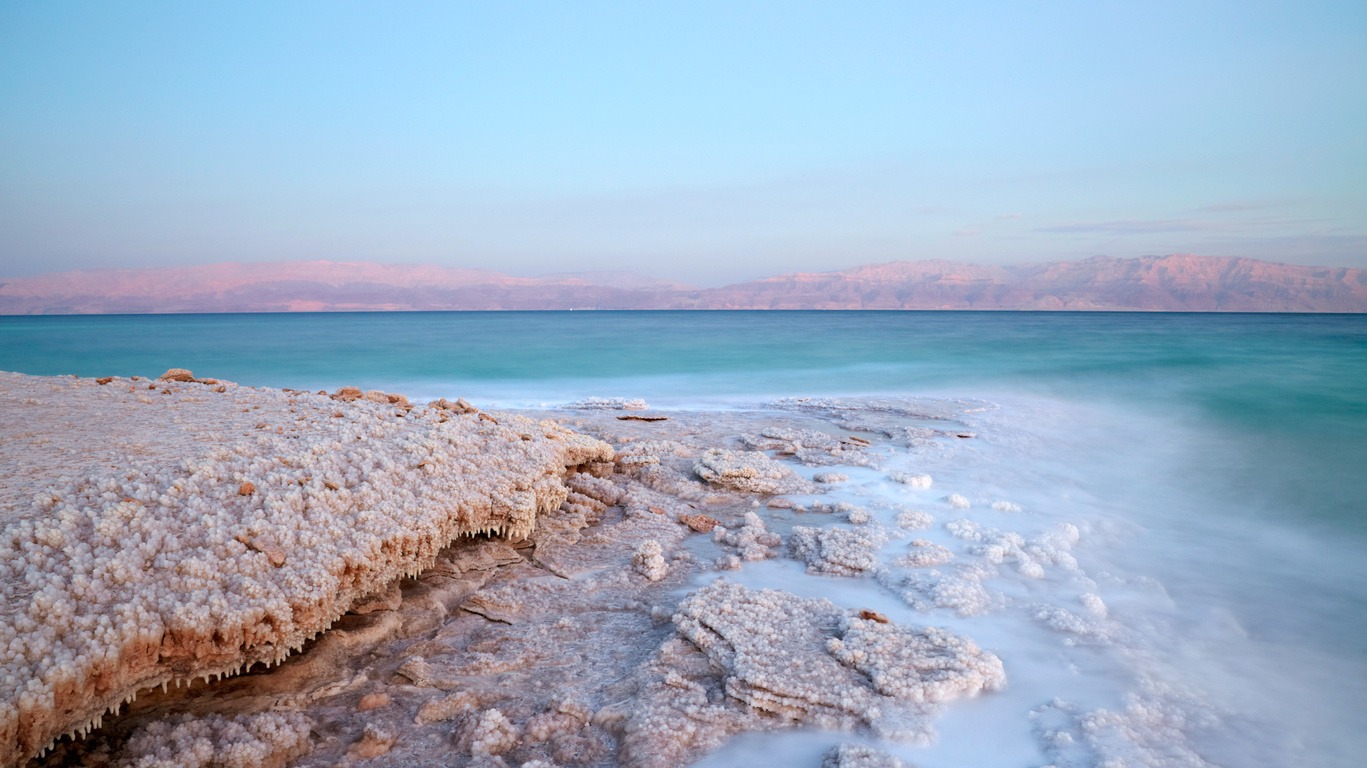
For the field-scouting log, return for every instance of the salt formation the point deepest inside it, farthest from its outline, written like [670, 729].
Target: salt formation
[839, 551]
[923, 553]
[913, 481]
[136, 561]
[811, 447]
[265, 740]
[957, 501]
[751, 542]
[804, 663]
[649, 562]
[748, 472]
[859, 756]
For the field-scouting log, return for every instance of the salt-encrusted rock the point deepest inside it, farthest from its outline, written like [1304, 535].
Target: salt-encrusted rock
[839, 551]
[815, 664]
[649, 562]
[177, 374]
[748, 472]
[957, 501]
[699, 522]
[859, 756]
[185, 741]
[828, 478]
[152, 568]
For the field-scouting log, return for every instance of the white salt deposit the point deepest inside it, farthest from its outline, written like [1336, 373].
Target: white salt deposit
[279, 511]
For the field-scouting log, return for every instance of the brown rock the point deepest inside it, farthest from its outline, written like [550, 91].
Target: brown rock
[246, 489]
[656, 510]
[348, 394]
[635, 417]
[868, 615]
[221, 388]
[177, 374]
[699, 522]
[486, 417]
[273, 552]
[376, 700]
[857, 440]
[104, 380]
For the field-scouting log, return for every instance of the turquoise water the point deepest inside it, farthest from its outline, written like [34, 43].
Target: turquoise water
[1222, 457]
[1284, 391]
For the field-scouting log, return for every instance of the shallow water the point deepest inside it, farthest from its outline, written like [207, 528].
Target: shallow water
[1212, 464]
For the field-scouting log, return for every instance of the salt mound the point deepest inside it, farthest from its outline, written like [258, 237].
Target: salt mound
[748, 472]
[839, 551]
[816, 664]
[156, 538]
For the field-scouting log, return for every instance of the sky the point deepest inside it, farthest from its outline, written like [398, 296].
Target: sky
[701, 142]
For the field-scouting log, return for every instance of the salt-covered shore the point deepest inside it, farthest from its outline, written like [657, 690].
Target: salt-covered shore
[490, 589]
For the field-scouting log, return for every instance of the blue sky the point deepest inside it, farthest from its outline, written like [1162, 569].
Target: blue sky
[704, 142]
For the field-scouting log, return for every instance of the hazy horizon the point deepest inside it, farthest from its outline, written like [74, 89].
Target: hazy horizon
[701, 143]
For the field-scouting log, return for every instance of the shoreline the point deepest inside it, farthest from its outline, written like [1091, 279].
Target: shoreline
[855, 538]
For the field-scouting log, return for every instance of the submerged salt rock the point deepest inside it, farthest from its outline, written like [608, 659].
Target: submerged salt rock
[751, 541]
[747, 471]
[911, 480]
[957, 501]
[608, 404]
[158, 571]
[814, 664]
[859, 756]
[923, 553]
[248, 741]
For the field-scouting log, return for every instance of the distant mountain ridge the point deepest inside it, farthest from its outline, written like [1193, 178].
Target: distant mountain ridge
[1159, 283]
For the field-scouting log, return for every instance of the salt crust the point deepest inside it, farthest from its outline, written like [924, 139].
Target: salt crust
[152, 571]
[264, 740]
[809, 663]
[748, 472]
[810, 447]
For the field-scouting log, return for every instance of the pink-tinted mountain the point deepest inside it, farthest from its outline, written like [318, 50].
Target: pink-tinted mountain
[1167, 283]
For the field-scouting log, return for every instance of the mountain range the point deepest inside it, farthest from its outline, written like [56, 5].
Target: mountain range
[1159, 283]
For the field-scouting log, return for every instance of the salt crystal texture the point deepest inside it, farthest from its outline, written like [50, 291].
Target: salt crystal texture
[131, 559]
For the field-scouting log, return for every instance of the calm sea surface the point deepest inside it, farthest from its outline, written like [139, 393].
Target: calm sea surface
[1234, 447]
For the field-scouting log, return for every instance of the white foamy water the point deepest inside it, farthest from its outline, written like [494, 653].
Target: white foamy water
[1142, 618]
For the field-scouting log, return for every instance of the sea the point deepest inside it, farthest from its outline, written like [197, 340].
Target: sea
[1162, 520]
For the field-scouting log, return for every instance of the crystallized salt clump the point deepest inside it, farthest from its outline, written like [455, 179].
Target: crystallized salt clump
[649, 560]
[752, 541]
[957, 501]
[812, 663]
[748, 472]
[839, 551]
[923, 553]
[244, 741]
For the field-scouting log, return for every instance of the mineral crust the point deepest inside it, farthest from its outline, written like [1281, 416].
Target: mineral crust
[130, 557]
